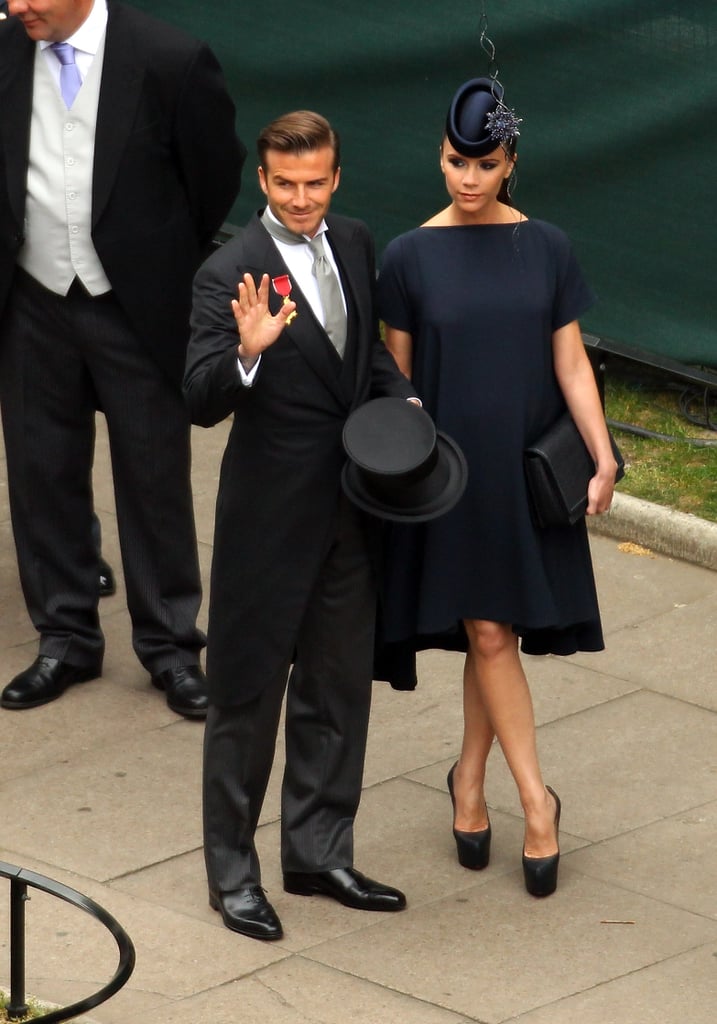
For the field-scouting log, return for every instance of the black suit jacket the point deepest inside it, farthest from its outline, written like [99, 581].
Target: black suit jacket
[281, 474]
[167, 168]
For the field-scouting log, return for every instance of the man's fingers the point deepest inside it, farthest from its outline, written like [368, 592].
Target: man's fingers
[263, 293]
[250, 296]
[247, 288]
[285, 311]
[246, 291]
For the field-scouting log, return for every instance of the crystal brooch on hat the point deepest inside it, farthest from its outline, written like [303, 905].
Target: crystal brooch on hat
[502, 124]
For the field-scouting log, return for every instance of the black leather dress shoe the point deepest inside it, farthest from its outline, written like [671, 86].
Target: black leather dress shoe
[186, 690]
[248, 912]
[348, 886]
[45, 680]
[106, 583]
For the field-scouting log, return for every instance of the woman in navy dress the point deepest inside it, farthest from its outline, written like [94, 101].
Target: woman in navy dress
[481, 307]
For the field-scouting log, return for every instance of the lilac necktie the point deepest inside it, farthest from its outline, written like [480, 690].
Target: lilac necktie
[70, 79]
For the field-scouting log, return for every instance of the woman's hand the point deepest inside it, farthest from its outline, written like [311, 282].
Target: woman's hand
[577, 382]
[600, 491]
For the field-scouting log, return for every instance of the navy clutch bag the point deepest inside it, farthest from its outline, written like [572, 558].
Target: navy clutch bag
[558, 468]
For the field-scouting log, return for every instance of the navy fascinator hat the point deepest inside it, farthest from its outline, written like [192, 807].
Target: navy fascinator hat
[478, 121]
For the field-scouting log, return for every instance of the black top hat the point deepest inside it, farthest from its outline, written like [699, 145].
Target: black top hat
[400, 467]
[468, 124]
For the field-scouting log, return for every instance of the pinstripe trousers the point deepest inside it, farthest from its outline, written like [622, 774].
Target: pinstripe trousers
[61, 358]
[328, 696]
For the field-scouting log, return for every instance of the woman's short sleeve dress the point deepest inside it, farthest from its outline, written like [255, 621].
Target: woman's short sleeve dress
[481, 303]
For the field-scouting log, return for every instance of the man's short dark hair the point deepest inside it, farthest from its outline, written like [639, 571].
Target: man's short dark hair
[302, 131]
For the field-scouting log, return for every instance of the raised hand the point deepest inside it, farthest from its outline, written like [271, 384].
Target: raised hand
[258, 329]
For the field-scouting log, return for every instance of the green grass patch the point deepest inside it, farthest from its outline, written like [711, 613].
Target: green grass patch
[35, 1009]
[680, 473]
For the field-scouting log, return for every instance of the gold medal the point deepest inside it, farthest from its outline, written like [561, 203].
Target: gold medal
[282, 286]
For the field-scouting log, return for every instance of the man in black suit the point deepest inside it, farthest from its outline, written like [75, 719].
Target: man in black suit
[118, 162]
[293, 575]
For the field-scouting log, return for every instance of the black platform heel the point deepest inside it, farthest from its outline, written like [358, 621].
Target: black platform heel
[473, 847]
[541, 873]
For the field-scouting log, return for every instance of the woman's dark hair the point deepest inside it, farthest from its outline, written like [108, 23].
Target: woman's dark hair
[506, 189]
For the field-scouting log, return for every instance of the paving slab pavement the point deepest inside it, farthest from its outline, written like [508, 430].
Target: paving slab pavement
[101, 791]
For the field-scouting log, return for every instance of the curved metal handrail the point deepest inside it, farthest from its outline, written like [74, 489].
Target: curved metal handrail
[20, 878]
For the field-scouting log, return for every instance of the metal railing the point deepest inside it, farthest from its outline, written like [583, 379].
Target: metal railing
[20, 879]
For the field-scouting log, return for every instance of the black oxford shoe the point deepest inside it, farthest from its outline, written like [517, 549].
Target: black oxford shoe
[248, 912]
[186, 690]
[106, 586]
[347, 886]
[45, 680]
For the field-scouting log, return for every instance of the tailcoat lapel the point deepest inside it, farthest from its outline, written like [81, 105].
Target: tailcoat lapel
[16, 74]
[120, 91]
[351, 258]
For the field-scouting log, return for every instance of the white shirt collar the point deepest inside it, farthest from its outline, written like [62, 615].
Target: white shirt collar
[88, 36]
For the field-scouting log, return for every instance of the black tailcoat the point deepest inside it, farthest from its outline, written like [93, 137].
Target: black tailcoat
[167, 168]
[280, 481]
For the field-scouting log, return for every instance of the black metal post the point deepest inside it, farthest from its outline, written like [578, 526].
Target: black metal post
[17, 1007]
[20, 879]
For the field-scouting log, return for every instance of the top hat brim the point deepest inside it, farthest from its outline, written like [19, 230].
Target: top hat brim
[420, 502]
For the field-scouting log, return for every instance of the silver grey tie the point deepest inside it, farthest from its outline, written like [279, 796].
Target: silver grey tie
[330, 295]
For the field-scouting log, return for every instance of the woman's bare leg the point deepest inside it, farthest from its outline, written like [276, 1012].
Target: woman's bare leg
[497, 702]
[469, 775]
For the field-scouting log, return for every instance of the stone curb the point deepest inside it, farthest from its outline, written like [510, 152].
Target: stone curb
[661, 529]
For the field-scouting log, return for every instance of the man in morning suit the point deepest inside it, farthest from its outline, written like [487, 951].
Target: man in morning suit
[293, 568]
[118, 162]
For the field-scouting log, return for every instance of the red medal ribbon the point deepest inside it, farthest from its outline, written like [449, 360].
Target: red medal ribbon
[282, 286]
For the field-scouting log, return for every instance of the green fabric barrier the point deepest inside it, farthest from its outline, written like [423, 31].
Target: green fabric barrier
[618, 144]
